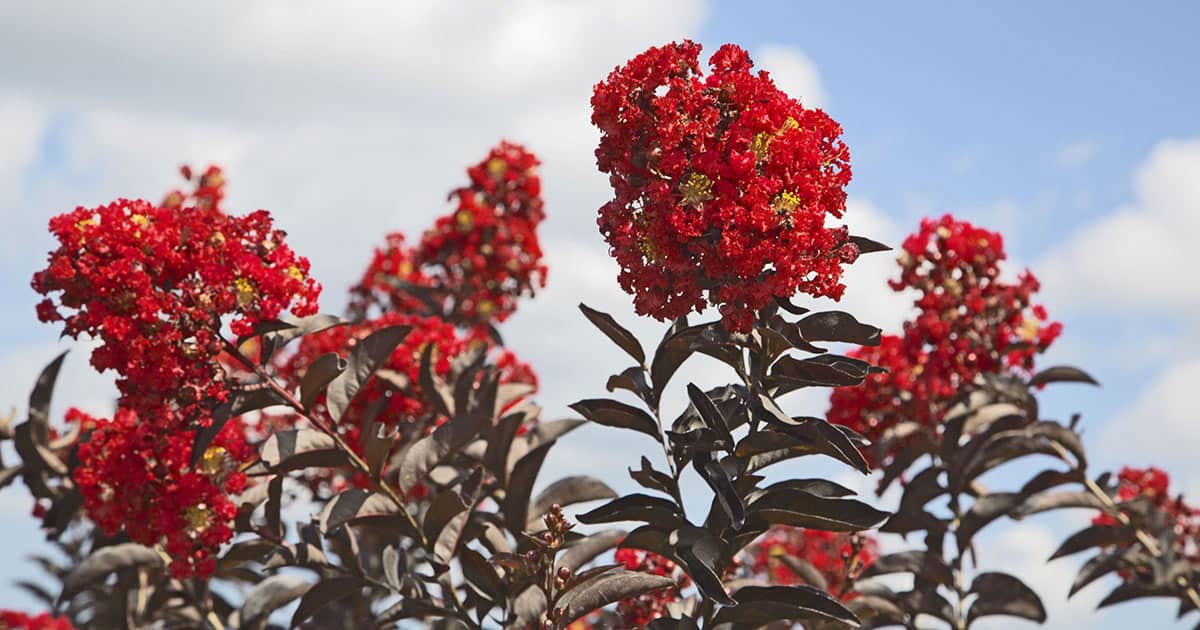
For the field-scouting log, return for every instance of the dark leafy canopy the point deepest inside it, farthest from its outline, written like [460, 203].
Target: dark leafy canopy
[727, 434]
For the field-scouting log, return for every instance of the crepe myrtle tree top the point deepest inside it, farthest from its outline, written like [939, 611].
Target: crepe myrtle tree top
[408, 428]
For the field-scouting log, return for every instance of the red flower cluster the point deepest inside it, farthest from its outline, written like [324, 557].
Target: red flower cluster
[1153, 484]
[970, 322]
[154, 284]
[395, 396]
[475, 262]
[16, 620]
[722, 185]
[134, 476]
[638, 611]
[839, 558]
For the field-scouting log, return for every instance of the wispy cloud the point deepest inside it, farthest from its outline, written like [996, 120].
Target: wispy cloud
[1077, 153]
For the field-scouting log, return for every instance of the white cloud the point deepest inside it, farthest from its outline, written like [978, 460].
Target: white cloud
[1160, 428]
[1140, 257]
[21, 127]
[793, 73]
[1077, 153]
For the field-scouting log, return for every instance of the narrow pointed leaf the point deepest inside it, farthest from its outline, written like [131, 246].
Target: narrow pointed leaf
[619, 335]
[366, 356]
[617, 414]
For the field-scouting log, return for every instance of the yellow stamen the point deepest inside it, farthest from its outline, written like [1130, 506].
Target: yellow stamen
[464, 220]
[943, 232]
[649, 250]
[245, 292]
[1029, 328]
[696, 189]
[213, 461]
[295, 273]
[786, 201]
[953, 287]
[197, 517]
[761, 145]
[496, 167]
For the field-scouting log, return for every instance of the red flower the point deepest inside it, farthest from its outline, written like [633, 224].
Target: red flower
[722, 186]
[1176, 515]
[153, 284]
[638, 611]
[16, 620]
[476, 262]
[839, 558]
[969, 322]
[135, 475]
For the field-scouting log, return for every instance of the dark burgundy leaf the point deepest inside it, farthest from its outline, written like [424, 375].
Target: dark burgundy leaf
[632, 379]
[787, 506]
[986, 509]
[1095, 568]
[103, 562]
[648, 538]
[274, 506]
[481, 577]
[1135, 590]
[788, 306]
[718, 479]
[635, 507]
[569, 491]
[1003, 594]
[322, 594]
[268, 596]
[649, 477]
[713, 418]
[1061, 374]
[762, 605]
[444, 507]
[826, 370]
[298, 327]
[1093, 536]
[617, 414]
[1045, 501]
[355, 504]
[282, 445]
[366, 356]
[450, 436]
[432, 387]
[616, 332]
[520, 487]
[239, 402]
[499, 445]
[318, 375]
[805, 571]
[378, 441]
[446, 545]
[608, 589]
[868, 246]
[818, 487]
[39, 400]
[671, 623]
[917, 562]
[838, 326]
[701, 555]
[585, 550]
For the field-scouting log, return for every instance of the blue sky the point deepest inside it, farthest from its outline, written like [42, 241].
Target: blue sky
[1069, 126]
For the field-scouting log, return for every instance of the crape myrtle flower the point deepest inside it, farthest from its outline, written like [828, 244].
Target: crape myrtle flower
[722, 186]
